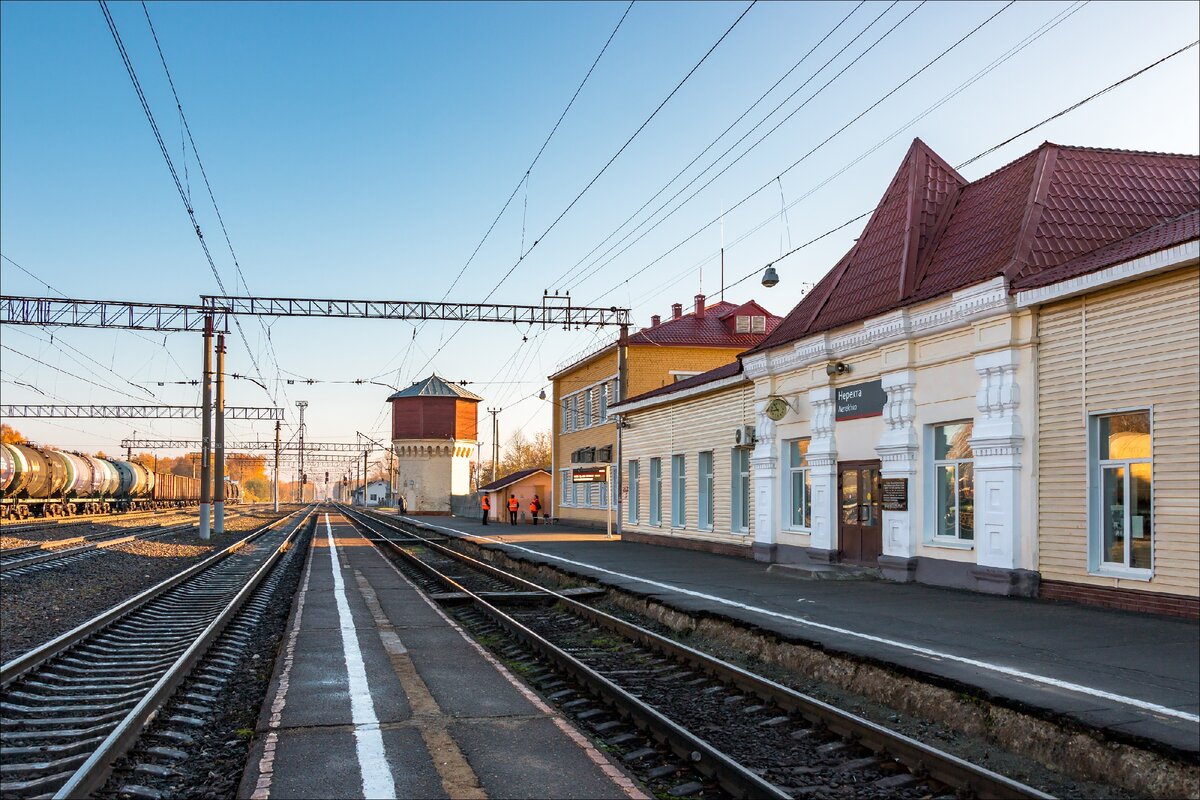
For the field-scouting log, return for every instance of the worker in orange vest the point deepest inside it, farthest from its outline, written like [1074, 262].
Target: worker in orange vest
[535, 507]
[514, 505]
[487, 508]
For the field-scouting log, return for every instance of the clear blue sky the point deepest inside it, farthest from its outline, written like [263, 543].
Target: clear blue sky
[362, 150]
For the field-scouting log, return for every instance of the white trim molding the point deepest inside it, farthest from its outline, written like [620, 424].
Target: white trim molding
[897, 451]
[671, 397]
[961, 309]
[1144, 266]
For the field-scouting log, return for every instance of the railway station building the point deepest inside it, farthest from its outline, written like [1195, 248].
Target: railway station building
[995, 389]
[667, 351]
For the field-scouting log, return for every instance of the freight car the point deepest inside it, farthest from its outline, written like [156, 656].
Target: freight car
[45, 482]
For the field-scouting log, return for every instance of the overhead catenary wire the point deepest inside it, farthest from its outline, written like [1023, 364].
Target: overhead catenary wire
[598, 175]
[1073, 107]
[1049, 25]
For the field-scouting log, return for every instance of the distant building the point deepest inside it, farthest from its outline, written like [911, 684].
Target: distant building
[379, 493]
[523, 485]
[658, 355]
[434, 436]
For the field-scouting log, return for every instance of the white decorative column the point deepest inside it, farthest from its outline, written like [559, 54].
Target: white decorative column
[822, 459]
[996, 444]
[897, 451]
[764, 466]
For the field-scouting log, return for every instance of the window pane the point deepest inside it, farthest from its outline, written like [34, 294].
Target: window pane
[870, 500]
[1125, 436]
[798, 452]
[945, 481]
[799, 499]
[1112, 513]
[966, 501]
[807, 499]
[1140, 529]
[952, 441]
[850, 496]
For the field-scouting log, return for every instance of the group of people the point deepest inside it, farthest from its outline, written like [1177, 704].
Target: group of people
[514, 507]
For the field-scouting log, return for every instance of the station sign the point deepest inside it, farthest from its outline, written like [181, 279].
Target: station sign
[589, 475]
[859, 400]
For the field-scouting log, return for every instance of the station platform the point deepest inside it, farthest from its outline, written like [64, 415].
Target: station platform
[1135, 675]
[378, 694]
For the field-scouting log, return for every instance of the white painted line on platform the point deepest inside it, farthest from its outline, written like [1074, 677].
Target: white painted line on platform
[377, 780]
[1154, 708]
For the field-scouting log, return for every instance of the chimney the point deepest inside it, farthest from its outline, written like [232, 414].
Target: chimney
[655, 321]
[699, 306]
[676, 310]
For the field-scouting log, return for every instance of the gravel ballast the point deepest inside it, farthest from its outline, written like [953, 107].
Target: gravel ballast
[35, 608]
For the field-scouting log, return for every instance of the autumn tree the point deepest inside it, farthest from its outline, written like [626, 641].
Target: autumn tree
[10, 435]
[521, 453]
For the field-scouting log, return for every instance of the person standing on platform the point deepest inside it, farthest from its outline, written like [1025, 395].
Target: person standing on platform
[487, 508]
[514, 505]
[535, 508]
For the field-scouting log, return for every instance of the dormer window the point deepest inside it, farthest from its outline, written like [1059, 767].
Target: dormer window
[743, 324]
[758, 324]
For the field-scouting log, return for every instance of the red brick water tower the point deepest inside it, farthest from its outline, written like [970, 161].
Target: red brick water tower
[435, 427]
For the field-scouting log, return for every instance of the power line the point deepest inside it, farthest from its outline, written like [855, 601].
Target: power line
[72, 374]
[751, 107]
[1045, 28]
[994, 148]
[597, 176]
[802, 158]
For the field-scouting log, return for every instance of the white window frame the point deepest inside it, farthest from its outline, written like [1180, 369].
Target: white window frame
[931, 464]
[679, 490]
[656, 492]
[790, 505]
[1096, 563]
[603, 403]
[758, 324]
[565, 497]
[678, 375]
[565, 410]
[739, 490]
[741, 323]
[705, 503]
[633, 470]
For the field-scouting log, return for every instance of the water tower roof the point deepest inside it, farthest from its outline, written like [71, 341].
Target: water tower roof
[433, 386]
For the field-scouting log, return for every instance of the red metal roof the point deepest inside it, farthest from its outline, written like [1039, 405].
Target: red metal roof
[933, 232]
[1168, 234]
[714, 329]
[723, 371]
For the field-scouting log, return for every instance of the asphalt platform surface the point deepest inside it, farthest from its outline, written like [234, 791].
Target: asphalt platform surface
[378, 694]
[1137, 675]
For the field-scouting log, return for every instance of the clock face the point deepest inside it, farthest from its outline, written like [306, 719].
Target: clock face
[777, 408]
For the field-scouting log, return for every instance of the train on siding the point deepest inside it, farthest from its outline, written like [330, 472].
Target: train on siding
[45, 482]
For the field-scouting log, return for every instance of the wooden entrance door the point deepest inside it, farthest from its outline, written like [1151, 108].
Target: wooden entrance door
[860, 525]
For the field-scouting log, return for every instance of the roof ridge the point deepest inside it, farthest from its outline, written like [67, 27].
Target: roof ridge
[1035, 205]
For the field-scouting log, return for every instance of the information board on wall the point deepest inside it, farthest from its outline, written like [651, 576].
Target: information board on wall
[589, 475]
[895, 494]
[860, 400]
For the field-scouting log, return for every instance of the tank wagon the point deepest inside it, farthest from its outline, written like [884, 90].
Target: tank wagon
[45, 482]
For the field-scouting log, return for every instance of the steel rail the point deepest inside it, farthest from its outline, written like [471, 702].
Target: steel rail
[13, 557]
[732, 776]
[917, 756]
[92, 773]
[14, 526]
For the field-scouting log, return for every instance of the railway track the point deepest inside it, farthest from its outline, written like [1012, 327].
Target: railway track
[71, 707]
[685, 722]
[16, 562]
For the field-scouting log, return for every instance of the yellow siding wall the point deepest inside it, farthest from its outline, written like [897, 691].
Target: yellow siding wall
[648, 367]
[706, 422]
[1134, 346]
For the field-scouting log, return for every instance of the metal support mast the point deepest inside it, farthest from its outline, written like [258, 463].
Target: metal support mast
[495, 440]
[275, 487]
[622, 370]
[206, 433]
[301, 404]
[219, 461]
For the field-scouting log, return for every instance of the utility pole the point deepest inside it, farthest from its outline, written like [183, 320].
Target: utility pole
[365, 452]
[495, 440]
[219, 465]
[206, 433]
[275, 492]
[301, 404]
